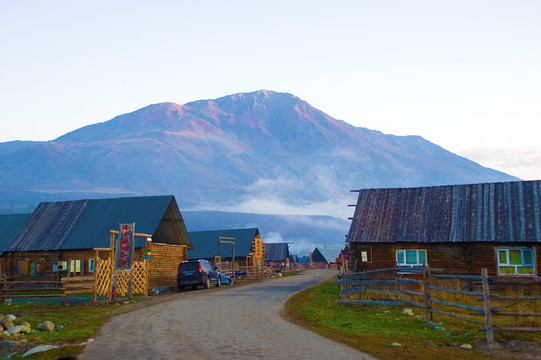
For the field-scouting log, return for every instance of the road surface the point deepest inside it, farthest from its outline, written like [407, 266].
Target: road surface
[227, 323]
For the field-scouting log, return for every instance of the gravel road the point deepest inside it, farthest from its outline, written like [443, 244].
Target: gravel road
[226, 323]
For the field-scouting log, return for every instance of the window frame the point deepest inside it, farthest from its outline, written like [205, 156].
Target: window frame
[508, 262]
[404, 251]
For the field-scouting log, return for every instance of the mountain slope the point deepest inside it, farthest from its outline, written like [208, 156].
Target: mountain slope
[262, 152]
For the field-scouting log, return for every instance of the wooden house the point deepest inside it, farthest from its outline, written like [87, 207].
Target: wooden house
[277, 255]
[61, 238]
[318, 260]
[459, 228]
[249, 247]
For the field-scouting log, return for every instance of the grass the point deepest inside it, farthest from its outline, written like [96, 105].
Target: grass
[374, 329]
[80, 322]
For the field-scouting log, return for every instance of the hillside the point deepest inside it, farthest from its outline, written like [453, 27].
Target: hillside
[260, 152]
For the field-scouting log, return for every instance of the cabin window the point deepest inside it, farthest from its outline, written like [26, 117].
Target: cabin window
[75, 266]
[411, 257]
[516, 261]
[23, 267]
[91, 265]
[62, 266]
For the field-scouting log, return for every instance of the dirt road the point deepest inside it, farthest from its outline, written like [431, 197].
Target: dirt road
[226, 323]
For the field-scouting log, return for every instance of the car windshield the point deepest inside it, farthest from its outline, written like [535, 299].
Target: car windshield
[189, 266]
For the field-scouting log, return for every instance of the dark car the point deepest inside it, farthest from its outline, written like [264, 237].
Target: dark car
[197, 272]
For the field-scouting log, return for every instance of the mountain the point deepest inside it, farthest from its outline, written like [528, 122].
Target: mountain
[261, 152]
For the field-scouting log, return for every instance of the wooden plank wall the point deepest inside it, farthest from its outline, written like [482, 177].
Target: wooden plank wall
[164, 264]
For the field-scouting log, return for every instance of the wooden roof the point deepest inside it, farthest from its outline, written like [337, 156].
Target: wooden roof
[276, 251]
[317, 256]
[494, 212]
[84, 224]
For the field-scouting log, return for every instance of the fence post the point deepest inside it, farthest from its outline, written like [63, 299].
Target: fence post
[95, 291]
[426, 282]
[64, 291]
[488, 311]
[4, 288]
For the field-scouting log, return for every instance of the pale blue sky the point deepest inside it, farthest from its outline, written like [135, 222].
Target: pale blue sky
[465, 75]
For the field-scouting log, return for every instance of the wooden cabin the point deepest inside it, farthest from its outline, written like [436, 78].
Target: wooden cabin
[458, 228]
[248, 245]
[318, 260]
[277, 255]
[64, 238]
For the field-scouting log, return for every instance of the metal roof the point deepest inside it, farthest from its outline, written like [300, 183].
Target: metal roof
[205, 243]
[85, 224]
[9, 227]
[276, 251]
[495, 212]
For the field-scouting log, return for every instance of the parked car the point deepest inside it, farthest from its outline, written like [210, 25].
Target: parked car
[197, 272]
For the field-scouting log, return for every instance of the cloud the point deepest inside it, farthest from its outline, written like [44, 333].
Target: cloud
[521, 161]
[273, 237]
[274, 205]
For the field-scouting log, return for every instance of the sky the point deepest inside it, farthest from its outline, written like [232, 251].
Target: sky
[465, 75]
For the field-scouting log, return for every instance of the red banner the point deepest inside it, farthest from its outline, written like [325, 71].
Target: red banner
[124, 246]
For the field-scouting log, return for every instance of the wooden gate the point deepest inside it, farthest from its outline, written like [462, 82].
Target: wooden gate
[104, 278]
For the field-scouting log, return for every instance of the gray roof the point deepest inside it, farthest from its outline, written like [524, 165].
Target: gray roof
[317, 256]
[84, 224]
[9, 227]
[205, 243]
[495, 212]
[276, 251]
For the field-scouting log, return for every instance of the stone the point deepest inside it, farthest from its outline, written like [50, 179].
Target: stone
[6, 322]
[46, 326]
[39, 348]
[408, 312]
[20, 329]
[396, 344]
[26, 324]
[466, 346]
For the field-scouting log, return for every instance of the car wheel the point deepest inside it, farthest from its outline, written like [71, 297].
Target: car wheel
[194, 287]
[218, 281]
[207, 283]
[180, 288]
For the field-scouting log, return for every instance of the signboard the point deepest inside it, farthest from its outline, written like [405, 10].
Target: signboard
[124, 246]
[258, 247]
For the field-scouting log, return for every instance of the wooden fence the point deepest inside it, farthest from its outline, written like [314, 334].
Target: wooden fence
[436, 294]
[47, 288]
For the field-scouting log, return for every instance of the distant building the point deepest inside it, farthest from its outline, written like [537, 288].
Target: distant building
[249, 246]
[317, 260]
[277, 255]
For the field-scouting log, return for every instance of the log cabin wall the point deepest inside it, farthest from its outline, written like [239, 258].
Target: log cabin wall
[37, 265]
[164, 263]
[454, 258]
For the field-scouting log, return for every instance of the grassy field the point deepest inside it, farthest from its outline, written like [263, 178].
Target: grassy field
[80, 322]
[375, 329]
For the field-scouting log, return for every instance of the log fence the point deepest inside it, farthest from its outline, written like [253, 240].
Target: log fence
[420, 288]
[62, 288]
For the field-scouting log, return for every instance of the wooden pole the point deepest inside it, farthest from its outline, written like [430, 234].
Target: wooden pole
[488, 310]
[95, 292]
[130, 278]
[112, 247]
[426, 282]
